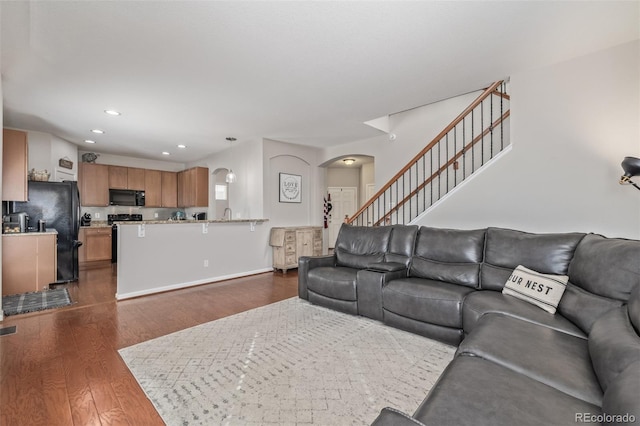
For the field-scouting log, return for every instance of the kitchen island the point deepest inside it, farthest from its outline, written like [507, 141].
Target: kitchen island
[162, 255]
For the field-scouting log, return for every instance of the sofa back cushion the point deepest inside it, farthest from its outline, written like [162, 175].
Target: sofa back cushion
[614, 343]
[583, 308]
[401, 244]
[359, 246]
[602, 274]
[505, 249]
[608, 267]
[450, 255]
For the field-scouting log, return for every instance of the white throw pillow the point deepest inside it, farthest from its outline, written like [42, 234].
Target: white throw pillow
[543, 290]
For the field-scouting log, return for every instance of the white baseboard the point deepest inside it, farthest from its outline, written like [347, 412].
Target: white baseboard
[178, 286]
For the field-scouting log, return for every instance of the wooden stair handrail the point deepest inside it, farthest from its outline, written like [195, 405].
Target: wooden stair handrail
[487, 92]
[443, 167]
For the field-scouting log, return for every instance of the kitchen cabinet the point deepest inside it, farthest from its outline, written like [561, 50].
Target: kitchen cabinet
[15, 156]
[288, 244]
[161, 189]
[169, 189]
[96, 244]
[29, 262]
[118, 177]
[193, 187]
[94, 184]
[126, 178]
[136, 178]
[153, 188]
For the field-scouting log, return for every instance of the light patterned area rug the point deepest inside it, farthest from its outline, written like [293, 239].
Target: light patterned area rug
[289, 363]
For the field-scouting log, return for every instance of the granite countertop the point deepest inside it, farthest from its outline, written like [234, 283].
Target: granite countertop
[97, 224]
[49, 231]
[161, 222]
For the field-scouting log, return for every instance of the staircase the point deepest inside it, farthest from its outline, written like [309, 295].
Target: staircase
[473, 138]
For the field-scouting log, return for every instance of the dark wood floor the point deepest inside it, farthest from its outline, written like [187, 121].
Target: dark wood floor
[62, 366]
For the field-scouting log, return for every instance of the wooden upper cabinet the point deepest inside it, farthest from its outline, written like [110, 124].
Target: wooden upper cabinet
[126, 178]
[136, 179]
[169, 189]
[153, 188]
[118, 177]
[14, 165]
[193, 187]
[93, 182]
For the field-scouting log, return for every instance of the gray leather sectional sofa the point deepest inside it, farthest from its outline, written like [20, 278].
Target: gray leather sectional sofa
[516, 364]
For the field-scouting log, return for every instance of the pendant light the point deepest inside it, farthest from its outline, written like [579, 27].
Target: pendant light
[231, 177]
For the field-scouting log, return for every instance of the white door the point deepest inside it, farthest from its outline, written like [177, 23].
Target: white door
[343, 200]
[371, 190]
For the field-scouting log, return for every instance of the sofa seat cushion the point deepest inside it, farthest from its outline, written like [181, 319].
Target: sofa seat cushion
[434, 302]
[474, 391]
[334, 282]
[541, 353]
[486, 301]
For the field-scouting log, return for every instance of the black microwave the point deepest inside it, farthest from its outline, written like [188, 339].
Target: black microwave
[126, 197]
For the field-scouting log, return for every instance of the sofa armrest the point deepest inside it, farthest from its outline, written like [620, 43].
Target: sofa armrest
[369, 290]
[307, 263]
[392, 417]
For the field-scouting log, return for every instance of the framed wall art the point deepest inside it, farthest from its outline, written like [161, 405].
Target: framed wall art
[290, 188]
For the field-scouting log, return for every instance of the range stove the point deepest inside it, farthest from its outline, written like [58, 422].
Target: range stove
[123, 217]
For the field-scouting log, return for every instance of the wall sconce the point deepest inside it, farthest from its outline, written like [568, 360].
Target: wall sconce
[349, 161]
[631, 167]
[231, 177]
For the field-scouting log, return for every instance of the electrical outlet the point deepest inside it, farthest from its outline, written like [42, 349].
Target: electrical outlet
[205, 228]
[155, 215]
[252, 226]
[97, 215]
[206, 263]
[141, 231]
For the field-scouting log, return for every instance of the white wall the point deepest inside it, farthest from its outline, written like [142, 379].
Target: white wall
[572, 124]
[343, 176]
[45, 152]
[245, 195]
[143, 163]
[300, 160]
[414, 129]
[171, 256]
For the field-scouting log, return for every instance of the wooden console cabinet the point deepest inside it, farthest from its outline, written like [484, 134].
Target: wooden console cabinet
[29, 262]
[290, 243]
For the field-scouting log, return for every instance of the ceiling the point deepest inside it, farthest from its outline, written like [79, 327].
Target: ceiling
[307, 72]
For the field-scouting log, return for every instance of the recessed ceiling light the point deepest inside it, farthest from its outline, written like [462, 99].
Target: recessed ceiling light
[182, 146]
[111, 112]
[89, 141]
[98, 131]
[165, 153]
[349, 161]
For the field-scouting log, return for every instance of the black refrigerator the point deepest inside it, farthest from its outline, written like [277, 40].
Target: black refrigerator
[58, 204]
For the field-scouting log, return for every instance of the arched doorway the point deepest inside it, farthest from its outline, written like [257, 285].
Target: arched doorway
[220, 192]
[350, 182]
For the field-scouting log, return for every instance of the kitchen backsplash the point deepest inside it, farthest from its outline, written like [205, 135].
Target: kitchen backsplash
[148, 213]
